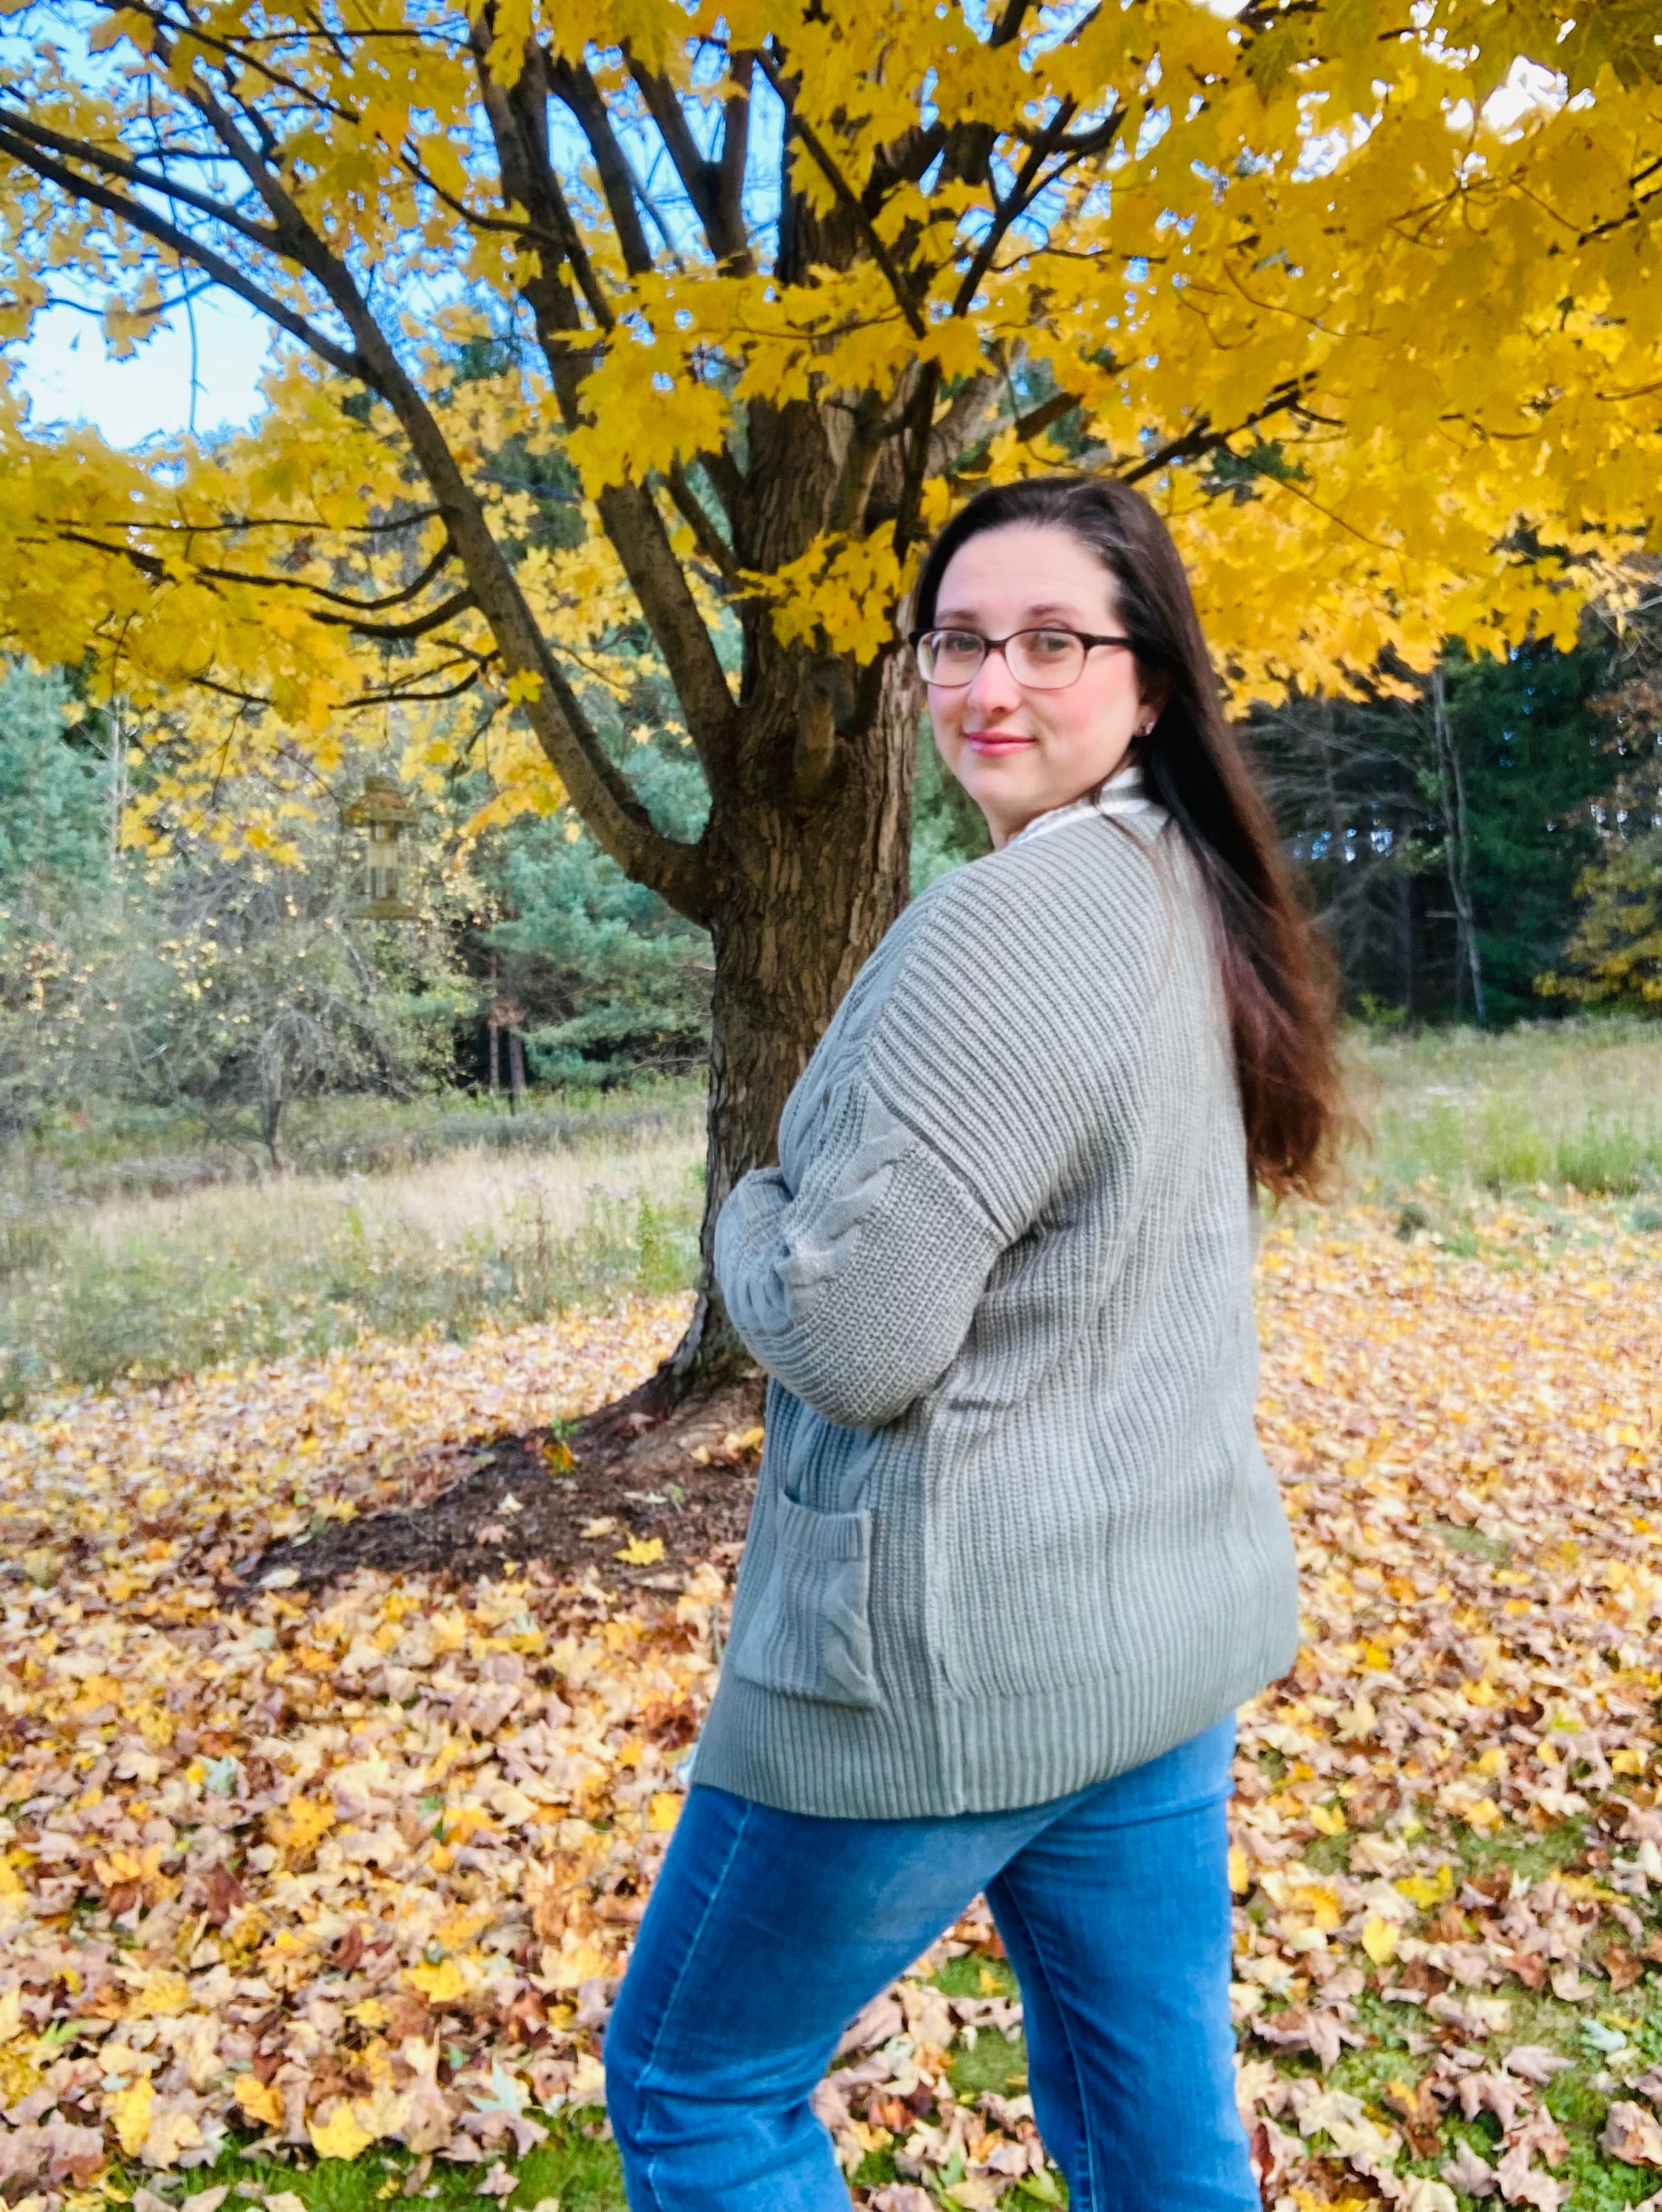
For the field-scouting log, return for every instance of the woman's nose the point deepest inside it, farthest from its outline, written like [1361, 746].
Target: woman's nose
[993, 689]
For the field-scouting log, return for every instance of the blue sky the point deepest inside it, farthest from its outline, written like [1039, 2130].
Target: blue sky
[69, 376]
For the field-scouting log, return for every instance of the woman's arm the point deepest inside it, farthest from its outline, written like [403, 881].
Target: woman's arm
[1006, 1055]
[857, 1289]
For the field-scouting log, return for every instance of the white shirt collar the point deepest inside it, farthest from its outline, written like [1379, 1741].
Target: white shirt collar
[1121, 794]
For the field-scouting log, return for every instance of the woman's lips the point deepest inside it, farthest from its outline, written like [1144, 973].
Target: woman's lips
[996, 742]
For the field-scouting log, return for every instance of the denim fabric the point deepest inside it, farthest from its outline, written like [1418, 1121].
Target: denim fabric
[767, 1931]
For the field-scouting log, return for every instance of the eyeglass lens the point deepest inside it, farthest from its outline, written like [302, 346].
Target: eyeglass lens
[1044, 660]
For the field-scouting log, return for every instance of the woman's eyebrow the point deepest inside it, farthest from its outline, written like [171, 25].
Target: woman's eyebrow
[965, 617]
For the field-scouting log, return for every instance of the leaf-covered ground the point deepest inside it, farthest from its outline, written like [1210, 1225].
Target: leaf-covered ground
[320, 1899]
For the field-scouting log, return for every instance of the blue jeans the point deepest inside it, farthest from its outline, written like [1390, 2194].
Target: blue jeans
[767, 1931]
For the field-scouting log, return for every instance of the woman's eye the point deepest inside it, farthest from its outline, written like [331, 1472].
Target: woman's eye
[957, 643]
[1050, 644]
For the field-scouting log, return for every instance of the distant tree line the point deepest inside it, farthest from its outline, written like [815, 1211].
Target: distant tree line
[1482, 842]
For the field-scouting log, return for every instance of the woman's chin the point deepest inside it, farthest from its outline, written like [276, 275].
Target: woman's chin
[1001, 779]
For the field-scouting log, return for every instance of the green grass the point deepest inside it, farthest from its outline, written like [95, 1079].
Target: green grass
[1461, 1114]
[132, 1244]
[577, 2165]
[152, 1287]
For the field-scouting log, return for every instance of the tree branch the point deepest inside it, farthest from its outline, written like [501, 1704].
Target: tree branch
[839, 183]
[709, 540]
[628, 511]
[1201, 439]
[90, 192]
[601, 793]
[577, 90]
[715, 188]
[417, 626]
[134, 173]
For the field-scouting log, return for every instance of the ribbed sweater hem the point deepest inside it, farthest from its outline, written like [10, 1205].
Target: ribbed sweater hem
[929, 1758]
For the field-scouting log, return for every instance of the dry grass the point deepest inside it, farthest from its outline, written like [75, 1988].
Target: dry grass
[95, 1287]
[1458, 1115]
[153, 1287]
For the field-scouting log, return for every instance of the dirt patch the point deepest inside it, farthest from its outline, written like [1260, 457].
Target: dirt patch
[573, 1501]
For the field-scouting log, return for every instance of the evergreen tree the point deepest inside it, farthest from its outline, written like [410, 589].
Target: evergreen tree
[1530, 742]
[54, 790]
[1614, 955]
[607, 979]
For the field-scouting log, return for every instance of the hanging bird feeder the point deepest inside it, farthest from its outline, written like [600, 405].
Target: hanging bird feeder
[386, 819]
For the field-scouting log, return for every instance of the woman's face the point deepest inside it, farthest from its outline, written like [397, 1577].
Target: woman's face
[1020, 753]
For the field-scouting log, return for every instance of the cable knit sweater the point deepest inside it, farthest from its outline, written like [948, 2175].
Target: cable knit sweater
[1013, 1534]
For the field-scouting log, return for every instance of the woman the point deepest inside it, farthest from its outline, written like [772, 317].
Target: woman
[1016, 1557]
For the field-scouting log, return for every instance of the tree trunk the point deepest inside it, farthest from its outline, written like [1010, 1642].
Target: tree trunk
[270, 1127]
[809, 883]
[1457, 842]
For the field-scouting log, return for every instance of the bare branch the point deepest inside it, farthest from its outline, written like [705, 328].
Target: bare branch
[709, 540]
[134, 173]
[715, 188]
[1195, 444]
[417, 626]
[577, 90]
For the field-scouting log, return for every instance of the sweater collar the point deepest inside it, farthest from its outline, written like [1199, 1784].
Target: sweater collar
[1121, 794]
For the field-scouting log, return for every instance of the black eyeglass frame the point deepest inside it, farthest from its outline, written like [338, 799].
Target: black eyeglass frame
[991, 645]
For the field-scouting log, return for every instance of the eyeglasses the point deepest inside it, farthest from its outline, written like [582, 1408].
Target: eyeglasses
[1046, 659]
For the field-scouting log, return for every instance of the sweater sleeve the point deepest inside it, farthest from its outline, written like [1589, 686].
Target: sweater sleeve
[853, 1271]
[855, 1289]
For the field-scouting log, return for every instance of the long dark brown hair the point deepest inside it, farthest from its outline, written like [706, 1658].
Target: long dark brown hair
[1278, 982]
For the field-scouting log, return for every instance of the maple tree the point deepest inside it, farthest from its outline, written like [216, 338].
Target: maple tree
[625, 337]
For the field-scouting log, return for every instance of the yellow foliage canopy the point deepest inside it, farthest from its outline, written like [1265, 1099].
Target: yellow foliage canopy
[626, 309]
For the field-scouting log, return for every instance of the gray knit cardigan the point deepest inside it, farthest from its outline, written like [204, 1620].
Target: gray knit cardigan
[1013, 1534]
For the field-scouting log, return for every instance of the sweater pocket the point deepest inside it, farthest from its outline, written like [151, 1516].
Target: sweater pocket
[810, 1634]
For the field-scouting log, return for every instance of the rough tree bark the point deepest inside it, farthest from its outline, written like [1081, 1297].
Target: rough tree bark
[809, 882]
[1457, 844]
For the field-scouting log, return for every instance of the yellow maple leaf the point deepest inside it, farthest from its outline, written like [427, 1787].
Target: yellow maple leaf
[19, 2076]
[1240, 1871]
[300, 1824]
[163, 1995]
[441, 1985]
[130, 2111]
[261, 2100]
[664, 1810]
[457, 1930]
[342, 2136]
[1380, 1938]
[1425, 1890]
[641, 1552]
